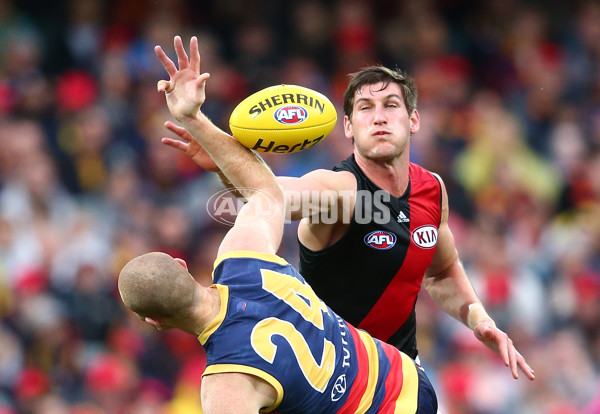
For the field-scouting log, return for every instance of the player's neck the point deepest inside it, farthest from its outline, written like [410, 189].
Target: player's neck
[390, 176]
[209, 305]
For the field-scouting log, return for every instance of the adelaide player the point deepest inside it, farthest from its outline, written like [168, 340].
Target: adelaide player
[397, 237]
[271, 343]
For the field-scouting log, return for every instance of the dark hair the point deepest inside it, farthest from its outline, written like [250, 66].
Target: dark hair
[371, 75]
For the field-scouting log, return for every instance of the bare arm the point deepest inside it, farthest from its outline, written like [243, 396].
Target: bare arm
[259, 225]
[449, 286]
[304, 196]
[318, 191]
[226, 393]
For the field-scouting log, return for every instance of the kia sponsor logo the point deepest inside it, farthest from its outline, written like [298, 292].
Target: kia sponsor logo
[380, 240]
[425, 236]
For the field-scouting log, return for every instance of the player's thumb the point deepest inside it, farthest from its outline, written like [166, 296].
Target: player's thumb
[163, 86]
[484, 332]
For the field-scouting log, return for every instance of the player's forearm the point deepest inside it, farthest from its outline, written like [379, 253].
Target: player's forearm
[228, 184]
[240, 167]
[452, 291]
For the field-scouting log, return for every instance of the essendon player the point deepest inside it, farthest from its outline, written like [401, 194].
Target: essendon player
[373, 281]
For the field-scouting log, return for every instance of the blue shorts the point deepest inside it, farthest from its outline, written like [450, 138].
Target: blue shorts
[427, 400]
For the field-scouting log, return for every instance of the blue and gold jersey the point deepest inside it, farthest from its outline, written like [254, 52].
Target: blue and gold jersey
[272, 325]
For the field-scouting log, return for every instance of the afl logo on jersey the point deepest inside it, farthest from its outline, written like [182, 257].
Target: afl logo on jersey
[380, 240]
[425, 236]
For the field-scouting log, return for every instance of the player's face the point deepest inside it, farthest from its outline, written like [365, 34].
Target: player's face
[380, 124]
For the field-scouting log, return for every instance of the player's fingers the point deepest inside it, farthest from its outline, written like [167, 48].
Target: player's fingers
[512, 358]
[503, 351]
[166, 62]
[180, 131]
[180, 145]
[194, 54]
[182, 57]
[529, 372]
[202, 79]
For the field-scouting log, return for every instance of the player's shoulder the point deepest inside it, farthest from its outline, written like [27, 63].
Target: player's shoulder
[250, 256]
[334, 180]
[332, 174]
[420, 173]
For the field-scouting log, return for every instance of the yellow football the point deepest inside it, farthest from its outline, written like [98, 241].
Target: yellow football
[283, 119]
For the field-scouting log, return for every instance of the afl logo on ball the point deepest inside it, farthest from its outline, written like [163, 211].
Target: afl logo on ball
[380, 240]
[425, 236]
[291, 114]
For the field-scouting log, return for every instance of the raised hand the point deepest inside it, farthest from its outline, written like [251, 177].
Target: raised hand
[185, 89]
[499, 342]
[190, 146]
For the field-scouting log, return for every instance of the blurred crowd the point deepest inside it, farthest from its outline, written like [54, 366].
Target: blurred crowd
[510, 118]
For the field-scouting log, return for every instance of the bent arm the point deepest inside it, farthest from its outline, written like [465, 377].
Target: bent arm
[450, 288]
[452, 291]
[445, 279]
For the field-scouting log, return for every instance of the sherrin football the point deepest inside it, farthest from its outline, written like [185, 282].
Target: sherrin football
[283, 119]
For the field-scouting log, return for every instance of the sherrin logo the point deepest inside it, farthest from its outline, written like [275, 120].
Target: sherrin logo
[290, 114]
[425, 236]
[380, 240]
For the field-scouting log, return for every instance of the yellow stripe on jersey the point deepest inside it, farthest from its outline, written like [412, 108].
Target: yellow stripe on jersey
[244, 369]
[407, 400]
[367, 398]
[251, 255]
[215, 323]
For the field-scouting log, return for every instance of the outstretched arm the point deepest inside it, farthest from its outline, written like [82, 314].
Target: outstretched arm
[297, 205]
[259, 225]
[448, 285]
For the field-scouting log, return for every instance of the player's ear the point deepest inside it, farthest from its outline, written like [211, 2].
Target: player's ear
[153, 322]
[415, 122]
[348, 128]
[181, 262]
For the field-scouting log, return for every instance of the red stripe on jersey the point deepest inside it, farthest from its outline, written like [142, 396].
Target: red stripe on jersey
[394, 380]
[397, 301]
[362, 375]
